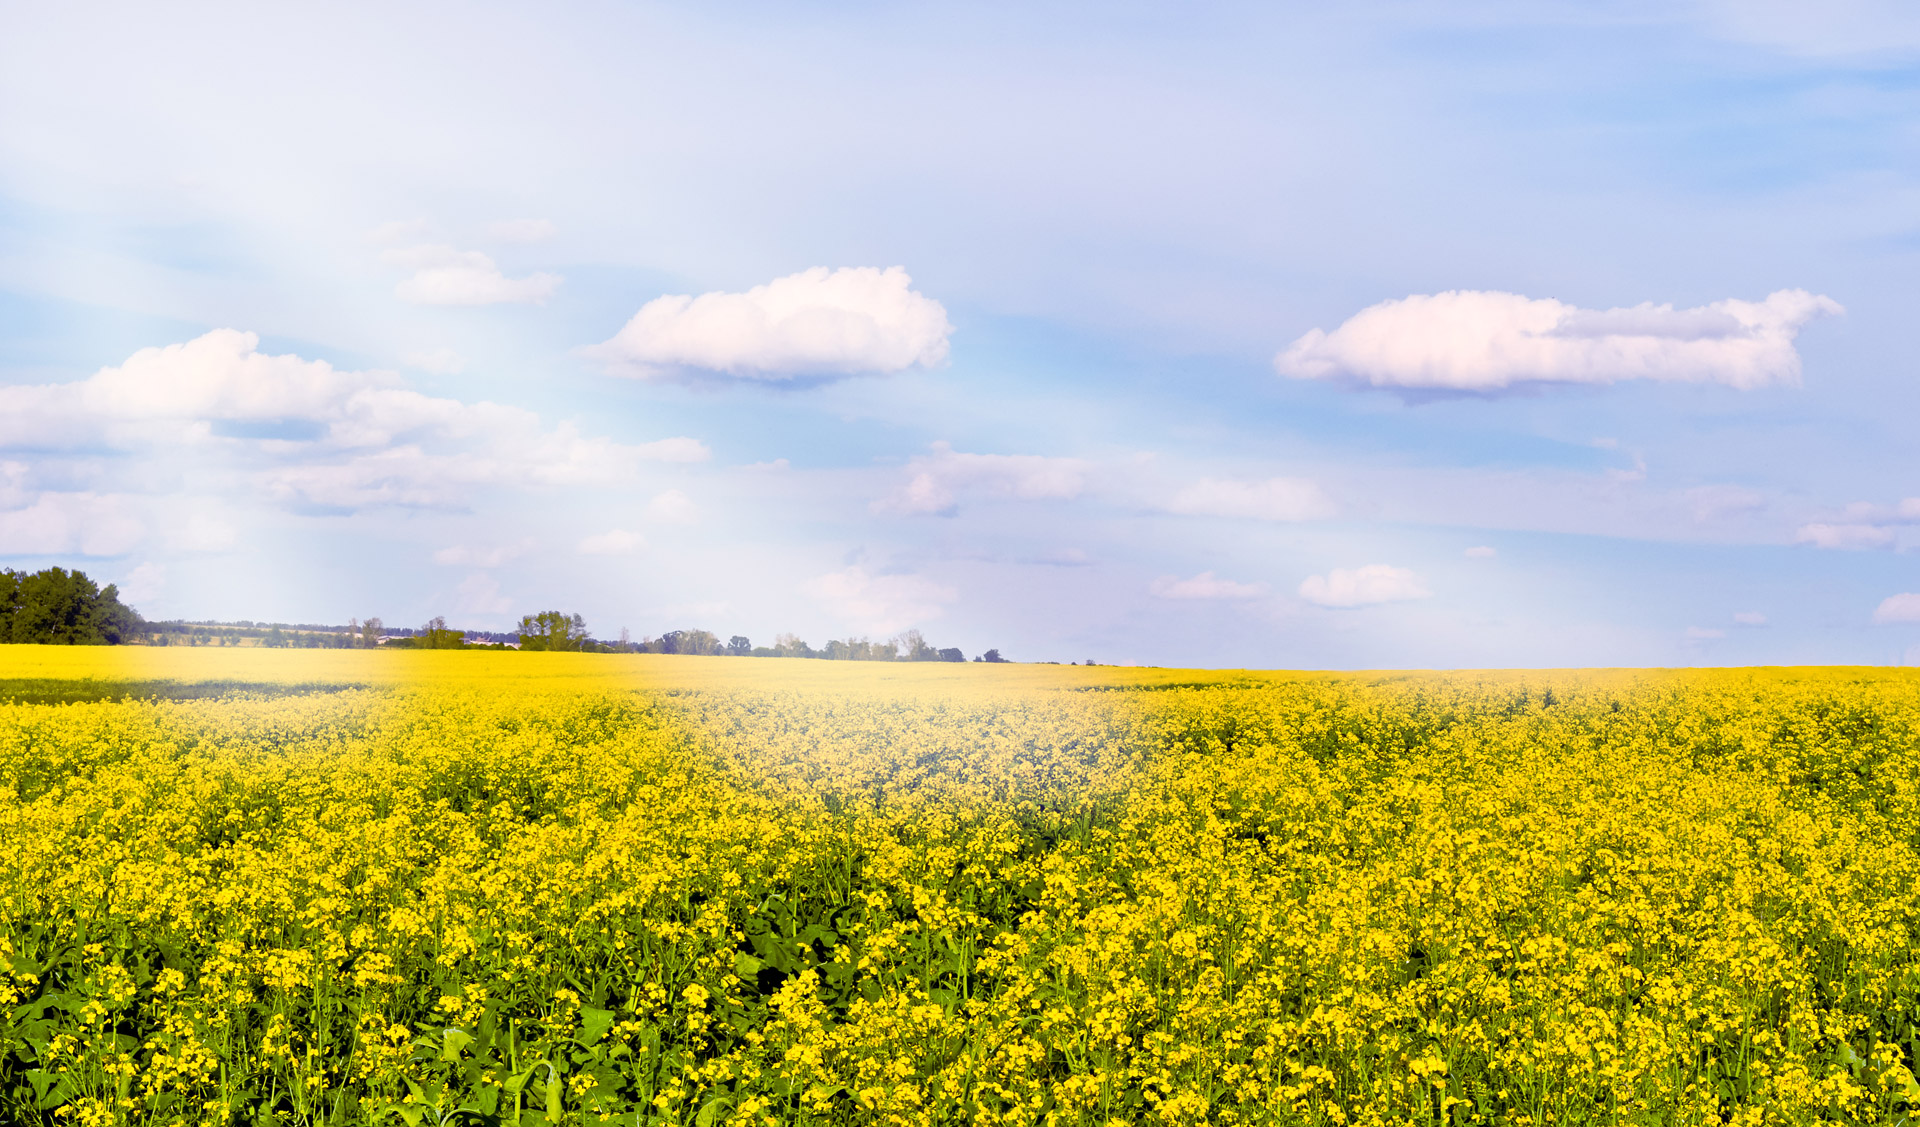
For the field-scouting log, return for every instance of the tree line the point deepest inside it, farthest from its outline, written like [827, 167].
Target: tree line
[60, 607]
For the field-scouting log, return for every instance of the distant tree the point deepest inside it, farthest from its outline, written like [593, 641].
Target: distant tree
[992, 655]
[910, 646]
[789, 645]
[63, 608]
[952, 654]
[552, 630]
[370, 633]
[739, 645]
[689, 642]
[435, 635]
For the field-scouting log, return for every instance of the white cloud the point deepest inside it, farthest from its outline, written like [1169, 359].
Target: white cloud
[521, 230]
[1749, 618]
[203, 533]
[462, 555]
[308, 433]
[142, 584]
[445, 276]
[1484, 341]
[615, 542]
[673, 507]
[935, 482]
[397, 232]
[13, 484]
[1204, 586]
[1278, 499]
[820, 322]
[87, 524]
[1844, 536]
[674, 450]
[480, 593]
[1704, 633]
[437, 361]
[1481, 552]
[1904, 607]
[880, 604]
[1363, 586]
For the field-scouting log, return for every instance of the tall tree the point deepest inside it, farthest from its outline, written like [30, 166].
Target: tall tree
[552, 630]
[63, 608]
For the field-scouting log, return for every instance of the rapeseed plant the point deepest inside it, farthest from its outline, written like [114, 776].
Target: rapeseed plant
[539, 889]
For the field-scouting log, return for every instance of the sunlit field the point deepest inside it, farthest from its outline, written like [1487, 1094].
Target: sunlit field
[250, 886]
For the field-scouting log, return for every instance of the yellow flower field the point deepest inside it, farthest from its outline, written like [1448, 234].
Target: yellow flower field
[249, 886]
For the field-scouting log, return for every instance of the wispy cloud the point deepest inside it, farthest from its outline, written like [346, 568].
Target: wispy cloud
[1205, 585]
[1274, 499]
[937, 482]
[443, 275]
[1484, 341]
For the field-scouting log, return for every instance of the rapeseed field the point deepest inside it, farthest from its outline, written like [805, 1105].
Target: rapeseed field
[248, 887]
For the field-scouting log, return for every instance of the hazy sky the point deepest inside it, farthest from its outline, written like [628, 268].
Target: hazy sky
[1395, 335]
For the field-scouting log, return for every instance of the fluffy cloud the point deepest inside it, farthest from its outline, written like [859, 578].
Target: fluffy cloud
[1483, 341]
[1844, 536]
[615, 542]
[820, 322]
[445, 276]
[86, 524]
[1204, 586]
[1363, 586]
[1278, 498]
[1904, 607]
[310, 434]
[673, 507]
[880, 604]
[935, 482]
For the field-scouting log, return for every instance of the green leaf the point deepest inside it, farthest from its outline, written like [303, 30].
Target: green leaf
[452, 1042]
[711, 1111]
[746, 966]
[594, 1024]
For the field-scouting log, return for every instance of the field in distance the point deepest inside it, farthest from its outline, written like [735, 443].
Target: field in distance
[251, 886]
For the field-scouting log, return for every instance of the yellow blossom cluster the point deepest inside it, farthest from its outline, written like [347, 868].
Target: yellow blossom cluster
[541, 889]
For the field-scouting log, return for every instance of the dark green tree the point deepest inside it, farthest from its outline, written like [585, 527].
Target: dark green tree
[552, 630]
[63, 608]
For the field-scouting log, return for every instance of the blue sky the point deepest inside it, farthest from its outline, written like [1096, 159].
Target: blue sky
[1403, 335]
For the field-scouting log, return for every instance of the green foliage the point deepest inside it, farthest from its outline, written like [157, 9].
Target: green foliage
[552, 630]
[62, 608]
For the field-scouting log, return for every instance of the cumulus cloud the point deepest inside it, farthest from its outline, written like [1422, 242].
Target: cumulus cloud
[445, 276]
[521, 230]
[1205, 585]
[1276, 499]
[1481, 552]
[311, 434]
[937, 481]
[1750, 618]
[1485, 341]
[614, 542]
[880, 604]
[673, 507]
[817, 323]
[1363, 586]
[1845, 537]
[203, 533]
[1904, 607]
[86, 524]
